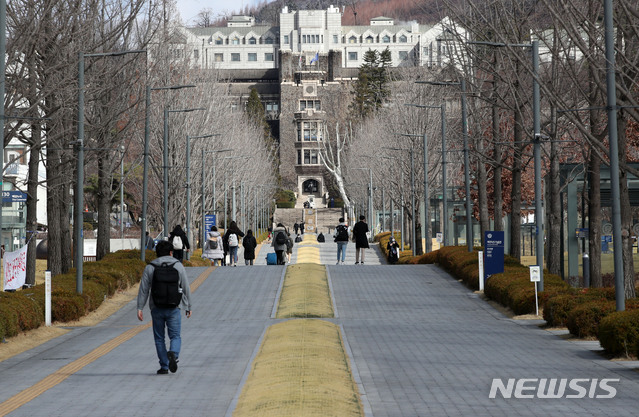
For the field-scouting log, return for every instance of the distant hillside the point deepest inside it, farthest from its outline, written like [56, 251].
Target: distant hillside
[355, 12]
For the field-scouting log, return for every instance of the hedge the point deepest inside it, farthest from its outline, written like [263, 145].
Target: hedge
[24, 309]
[619, 332]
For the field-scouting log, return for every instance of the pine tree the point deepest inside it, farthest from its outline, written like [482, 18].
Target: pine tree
[371, 88]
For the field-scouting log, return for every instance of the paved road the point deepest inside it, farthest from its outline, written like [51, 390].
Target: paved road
[421, 345]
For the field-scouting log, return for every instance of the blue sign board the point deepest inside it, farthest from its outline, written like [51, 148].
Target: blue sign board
[13, 197]
[209, 220]
[493, 253]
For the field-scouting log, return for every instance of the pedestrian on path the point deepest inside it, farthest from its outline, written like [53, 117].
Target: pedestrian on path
[360, 236]
[279, 243]
[166, 281]
[296, 227]
[249, 243]
[302, 227]
[393, 250]
[232, 237]
[213, 247]
[180, 242]
[289, 247]
[341, 238]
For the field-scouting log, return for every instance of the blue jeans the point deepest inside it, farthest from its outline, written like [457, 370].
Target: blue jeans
[341, 249]
[171, 319]
[233, 254]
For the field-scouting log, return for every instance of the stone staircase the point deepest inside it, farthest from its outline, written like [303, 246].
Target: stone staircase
[327, 218]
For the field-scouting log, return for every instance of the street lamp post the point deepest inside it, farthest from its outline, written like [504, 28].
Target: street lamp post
[165, 163]
[122, 196]
[188, 185]
[537, 136]
[213, 189]
[145, 175]
[79, 189]
[469, 221]
[412, 189]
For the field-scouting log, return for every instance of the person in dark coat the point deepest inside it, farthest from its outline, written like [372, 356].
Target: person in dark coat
[249, 243]
[232, 244]
[179, 249]
[296, 227]
[393, 250]
[360, 235]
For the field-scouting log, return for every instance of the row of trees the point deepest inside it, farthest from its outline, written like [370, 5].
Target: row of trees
[499, 80]
[44, 40]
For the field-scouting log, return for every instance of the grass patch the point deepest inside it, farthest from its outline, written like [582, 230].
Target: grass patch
[305, 292]
[300, 370]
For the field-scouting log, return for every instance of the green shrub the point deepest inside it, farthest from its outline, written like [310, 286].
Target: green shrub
[556, 309]
[619, 332]
[583, 320]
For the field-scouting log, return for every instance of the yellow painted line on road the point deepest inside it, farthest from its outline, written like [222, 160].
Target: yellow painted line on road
[66, 371]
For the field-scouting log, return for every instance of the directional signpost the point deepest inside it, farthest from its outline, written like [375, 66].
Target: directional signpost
[494, 253]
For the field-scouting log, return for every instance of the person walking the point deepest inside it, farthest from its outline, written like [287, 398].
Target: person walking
[150, 243]
[360, 235]
[341, 238]
[232, 237]
[393, 250]
[180, 242]
[279, 243]
[165, 280]
[249, 243]
[213, 247]
[289, 247]
[302, 227]
[296, 227]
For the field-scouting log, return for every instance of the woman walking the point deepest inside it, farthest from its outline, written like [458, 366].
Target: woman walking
[249, 243]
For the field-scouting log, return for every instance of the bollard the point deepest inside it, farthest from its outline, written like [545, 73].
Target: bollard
[586, 270]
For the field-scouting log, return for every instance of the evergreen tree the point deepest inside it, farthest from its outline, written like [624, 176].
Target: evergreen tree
[255, 111]
[371, 88]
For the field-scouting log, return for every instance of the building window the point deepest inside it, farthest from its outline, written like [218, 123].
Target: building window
[335, 39]
[303, 38]
[352, 56]
[252, 57]
[299, 157]
[369, 39]
[403, 39]
[310, 157]
[196, 53]
[252, 41]
[268, 41]
[310, 104]
[268, 56]
[285, 39]
[308, 132]
[272, 106]
[403, 55]
[235, 41]
[218, 57]
[352, 39]
[386, 39]
[219, 41]
[177, 53]
[235, 57]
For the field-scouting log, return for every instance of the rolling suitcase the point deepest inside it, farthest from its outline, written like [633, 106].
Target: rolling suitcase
[271, 258]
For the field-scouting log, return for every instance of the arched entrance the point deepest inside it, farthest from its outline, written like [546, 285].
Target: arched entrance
[310, 187]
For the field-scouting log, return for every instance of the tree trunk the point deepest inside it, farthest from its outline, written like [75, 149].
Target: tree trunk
[497, 182]
[515, 193]
[64, 216]
[553, 258]
[626, 212]
[594, 219]
[32, 203]
[482, 182]
[104, 211]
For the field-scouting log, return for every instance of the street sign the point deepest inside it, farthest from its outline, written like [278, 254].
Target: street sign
[440, 237]
[494, 252]
[534, 273]
[13, 197]
[209, 220]
[582, 233]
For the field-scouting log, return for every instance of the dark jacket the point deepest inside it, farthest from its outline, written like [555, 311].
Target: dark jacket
[249, 243]
[179, 232]
[359, 232]
[229, 231]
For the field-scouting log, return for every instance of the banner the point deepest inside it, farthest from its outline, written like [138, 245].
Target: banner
[15, 268]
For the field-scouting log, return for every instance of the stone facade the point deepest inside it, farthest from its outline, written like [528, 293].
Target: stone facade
[302, 70]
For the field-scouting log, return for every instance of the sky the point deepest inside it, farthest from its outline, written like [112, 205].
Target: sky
[190, 8]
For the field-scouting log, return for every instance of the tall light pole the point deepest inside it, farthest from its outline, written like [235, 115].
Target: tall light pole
[145, 175]
[537, 136]
[213, 189]
[165, 164]
[442, 108]
[79, 187]
[370, 194]
[469, 221]
[3, 52]
[412, 191]
[188, 184]
[611, 97]
[122, 195]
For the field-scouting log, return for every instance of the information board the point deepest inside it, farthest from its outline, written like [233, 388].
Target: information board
[209, 220]
[493, 252]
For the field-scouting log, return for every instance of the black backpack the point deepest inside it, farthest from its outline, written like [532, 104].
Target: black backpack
[342, 234]
[165, 286]
[281, 238]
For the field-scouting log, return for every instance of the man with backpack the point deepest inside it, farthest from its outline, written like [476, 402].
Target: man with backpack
[341, 238]
[165, 281]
